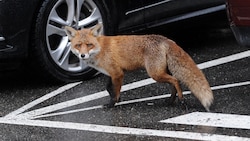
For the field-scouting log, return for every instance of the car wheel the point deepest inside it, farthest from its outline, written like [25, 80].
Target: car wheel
[51, 46]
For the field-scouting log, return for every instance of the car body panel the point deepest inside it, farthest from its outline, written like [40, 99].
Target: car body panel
[239, 12]
[239, 19]
[151, 13]
[15, 27]
[127, 17]
[170, 8]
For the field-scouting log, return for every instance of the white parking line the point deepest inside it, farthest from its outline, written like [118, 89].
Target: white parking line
[224, 60]
[212, 119]
[124, 130]
[41, 99]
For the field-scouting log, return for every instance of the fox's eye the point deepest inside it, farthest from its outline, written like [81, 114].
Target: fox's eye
[78, 46]
[89, 45]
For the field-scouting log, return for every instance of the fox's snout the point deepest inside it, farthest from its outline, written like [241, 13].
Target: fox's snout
[80, 55]
[84, 56]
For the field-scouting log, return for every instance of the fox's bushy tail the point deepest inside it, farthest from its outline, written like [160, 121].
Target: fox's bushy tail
[199, 86]
[183, 68]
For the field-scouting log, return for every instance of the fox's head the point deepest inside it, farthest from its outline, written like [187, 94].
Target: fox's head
[84, 42]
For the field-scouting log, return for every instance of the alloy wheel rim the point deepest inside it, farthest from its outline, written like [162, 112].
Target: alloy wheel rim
[78, 14]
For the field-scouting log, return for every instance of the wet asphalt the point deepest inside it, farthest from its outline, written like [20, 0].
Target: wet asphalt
[18, 88]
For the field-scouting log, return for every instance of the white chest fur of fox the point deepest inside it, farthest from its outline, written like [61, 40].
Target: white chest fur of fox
[112, 55]
[92, 63]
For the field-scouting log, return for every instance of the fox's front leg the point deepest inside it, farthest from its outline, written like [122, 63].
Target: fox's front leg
[111, 92]
[113, 88]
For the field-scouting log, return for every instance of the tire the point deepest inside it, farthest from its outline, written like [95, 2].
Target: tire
[51, 47]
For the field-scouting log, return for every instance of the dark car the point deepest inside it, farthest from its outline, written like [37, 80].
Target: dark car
[32, 31]
[239, 18]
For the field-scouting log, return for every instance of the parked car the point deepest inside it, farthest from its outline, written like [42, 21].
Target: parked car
[239, 18]
[33, 31]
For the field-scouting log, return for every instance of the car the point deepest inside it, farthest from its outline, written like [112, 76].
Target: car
[239, 19]
[33, 32]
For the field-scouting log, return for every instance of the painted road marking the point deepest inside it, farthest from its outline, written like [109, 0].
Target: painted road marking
[130, 86]
[37, 113]
[124, 130]
[41, 99]
[212, 119]
[224, 60]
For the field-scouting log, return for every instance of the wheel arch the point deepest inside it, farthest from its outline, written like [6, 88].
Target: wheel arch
[109, 10]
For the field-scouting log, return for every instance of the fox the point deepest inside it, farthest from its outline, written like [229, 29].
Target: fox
[163, 59]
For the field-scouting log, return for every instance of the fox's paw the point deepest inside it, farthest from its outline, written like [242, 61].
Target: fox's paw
[183, 105]
[171, 101]
[119, 100]
[108, 106]
[111, 104]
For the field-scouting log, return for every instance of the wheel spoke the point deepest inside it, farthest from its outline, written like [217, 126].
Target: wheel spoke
[64, 61]
[60, 51]
[79, 4]
[51, 29]
[71, 11]
[95, 15]
[54, 17]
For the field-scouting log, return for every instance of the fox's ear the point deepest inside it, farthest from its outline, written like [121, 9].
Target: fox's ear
[71, 32]
[96, 30]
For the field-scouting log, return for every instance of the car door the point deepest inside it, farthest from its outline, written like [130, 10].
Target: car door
[130, 14]
[165, 11]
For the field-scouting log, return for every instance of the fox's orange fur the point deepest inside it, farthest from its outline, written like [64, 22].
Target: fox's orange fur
[112, 55]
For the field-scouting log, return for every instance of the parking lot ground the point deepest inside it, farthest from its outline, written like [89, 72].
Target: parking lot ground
[75, 112]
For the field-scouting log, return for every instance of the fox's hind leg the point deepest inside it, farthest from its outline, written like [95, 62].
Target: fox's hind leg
[158, 72]
[173, 92]
[165, 78]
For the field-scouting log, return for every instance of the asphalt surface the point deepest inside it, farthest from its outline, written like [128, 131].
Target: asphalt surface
[33, 110]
